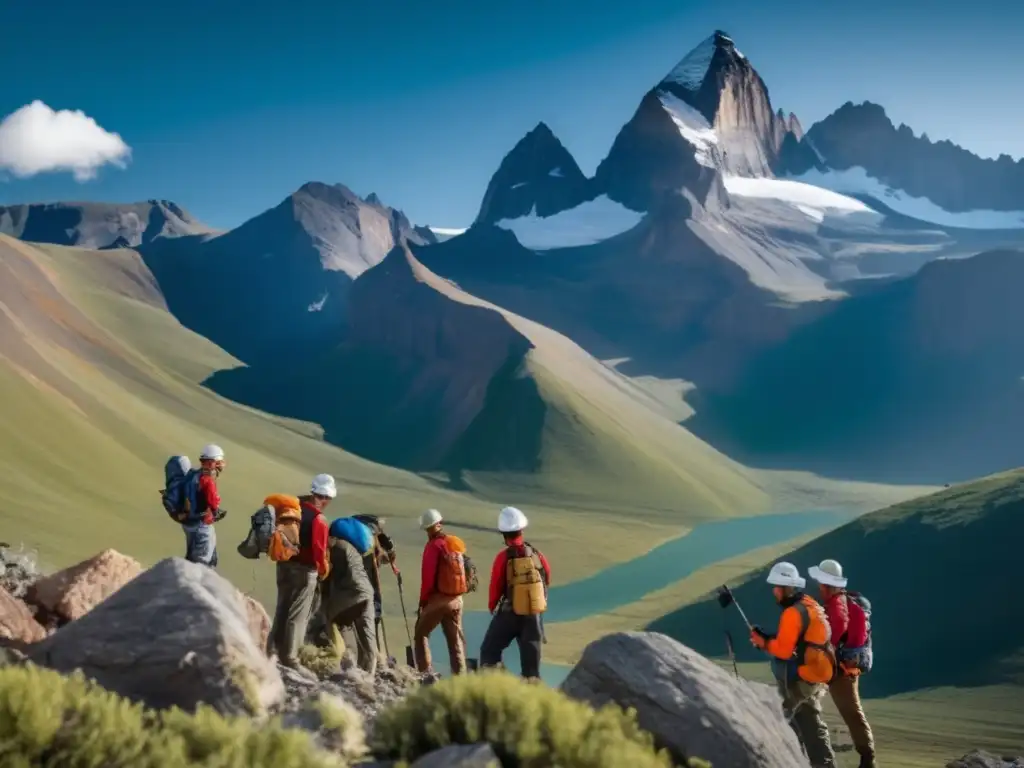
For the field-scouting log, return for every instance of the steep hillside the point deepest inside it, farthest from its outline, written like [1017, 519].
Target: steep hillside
[919, 563]
[277, 285]
[99, 225]
[434, 379]
[917, 380]
[860, 151]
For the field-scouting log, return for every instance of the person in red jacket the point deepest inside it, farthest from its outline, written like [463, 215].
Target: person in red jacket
[204, 506]
[506, 624]
[297, 578]
[849, 626]
[440, 597]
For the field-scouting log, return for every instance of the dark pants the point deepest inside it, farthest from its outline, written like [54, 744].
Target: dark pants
[504, 628]
[296, 591]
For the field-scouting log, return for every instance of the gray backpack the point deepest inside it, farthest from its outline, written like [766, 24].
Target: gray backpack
[261, 528]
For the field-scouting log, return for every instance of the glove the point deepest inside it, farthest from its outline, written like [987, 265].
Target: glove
[758, 637]
[219, 515]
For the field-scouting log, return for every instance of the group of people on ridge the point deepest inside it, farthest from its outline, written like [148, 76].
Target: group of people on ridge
[818, 649]
[328, 574]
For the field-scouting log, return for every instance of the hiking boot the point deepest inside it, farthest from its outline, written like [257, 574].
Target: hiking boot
[867, 761]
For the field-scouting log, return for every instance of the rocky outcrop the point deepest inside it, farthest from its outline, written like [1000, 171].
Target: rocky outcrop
[538, 175]
[981, 759]
[18, 626]
[18, 570]
[176, 635]
[691, 705]
[73, 592]
[259, 620]
[460, 756]
[862, 135]
[99, 225]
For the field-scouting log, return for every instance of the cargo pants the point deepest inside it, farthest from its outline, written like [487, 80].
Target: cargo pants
[296, 591]
[447, 612]
[201, 544]
[360, 619]
[505, 627]
[845, 691]
[801, 702]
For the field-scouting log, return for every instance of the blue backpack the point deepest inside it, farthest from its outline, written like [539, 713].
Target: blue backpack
[355, 532]
[179, 492]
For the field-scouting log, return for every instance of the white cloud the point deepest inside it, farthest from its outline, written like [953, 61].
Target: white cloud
[36, 139]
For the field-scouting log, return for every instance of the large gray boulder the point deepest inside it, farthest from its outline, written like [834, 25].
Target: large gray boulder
[176, 635]
[981, 759]
[692, 706]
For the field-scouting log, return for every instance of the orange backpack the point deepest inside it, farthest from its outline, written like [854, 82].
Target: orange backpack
[284, 541]
[451, 571]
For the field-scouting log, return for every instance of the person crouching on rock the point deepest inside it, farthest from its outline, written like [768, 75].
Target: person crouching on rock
[443, 583]
[297, 576]
[520, 577]
[347, 601]
[200, 535]
[803, 661]
[850, 625]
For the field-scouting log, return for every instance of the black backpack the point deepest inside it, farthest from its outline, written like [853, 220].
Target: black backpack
[261, 528]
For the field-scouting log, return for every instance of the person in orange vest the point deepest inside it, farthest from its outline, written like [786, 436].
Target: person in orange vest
[803, 661]
[443, 583]
[520, 577]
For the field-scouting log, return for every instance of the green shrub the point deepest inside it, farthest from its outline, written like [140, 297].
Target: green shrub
[529, 725]
[324, 660]
[48, 720]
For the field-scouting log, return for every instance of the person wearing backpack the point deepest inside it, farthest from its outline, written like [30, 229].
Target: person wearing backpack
[191, 498]
[520, 578]
[849, 615]
[299, 547]
[347, 594]
[443, 583]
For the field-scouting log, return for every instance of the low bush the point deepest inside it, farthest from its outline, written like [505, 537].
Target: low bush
[529, 725]
[324, 659]
[48, 720]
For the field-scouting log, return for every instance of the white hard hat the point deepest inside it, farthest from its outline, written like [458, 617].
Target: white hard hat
[211, 451]
[786, 575]
[829, 573]
[323, 485]
[430, 518]
[511, 519]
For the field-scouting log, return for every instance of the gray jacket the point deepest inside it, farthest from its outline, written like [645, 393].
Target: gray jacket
[348, 583]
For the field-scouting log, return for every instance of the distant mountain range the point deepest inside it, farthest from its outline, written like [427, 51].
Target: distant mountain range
[786, 278]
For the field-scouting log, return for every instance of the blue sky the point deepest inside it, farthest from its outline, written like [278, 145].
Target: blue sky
[228, 108]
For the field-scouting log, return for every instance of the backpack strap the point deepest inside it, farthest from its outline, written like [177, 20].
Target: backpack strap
[534, 553]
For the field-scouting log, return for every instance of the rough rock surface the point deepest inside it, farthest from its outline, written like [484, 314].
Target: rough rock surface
[18, 627]
[460, 756]
[18, 570]
[259, 619]
[981, 759]
[691, 706]
[73, 592]
[176, 635]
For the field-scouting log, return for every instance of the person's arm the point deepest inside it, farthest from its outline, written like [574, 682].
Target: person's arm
[546, 566]
[838, 618]
[208, 490]
[783, 645]
[321, 557]
[428, 572]
[497, 586]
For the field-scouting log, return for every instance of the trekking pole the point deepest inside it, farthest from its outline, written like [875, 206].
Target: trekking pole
[410, 657]
[732, 653]
[383, 633]
[726, 598]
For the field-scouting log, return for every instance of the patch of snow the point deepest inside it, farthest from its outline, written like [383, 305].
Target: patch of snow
[556, 173]
[856, 181]
[693, 127]
[317, 305]
[691, 71]
[517, 186]
[586, 224]
[446, 233]
[813, 201]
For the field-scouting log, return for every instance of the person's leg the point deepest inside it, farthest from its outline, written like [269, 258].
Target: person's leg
[845, 692]
[302, 587]
[201, 545]
[426, 622]
[366, 638]
[211, 544]
[451, 625]
[529, 640]
[275, 640]
[811, 725]
[502, 630]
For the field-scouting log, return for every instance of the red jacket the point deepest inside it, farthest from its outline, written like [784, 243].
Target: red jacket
[846, 618]
[313, 535]
[428, 568]
[208, 496]
[497, 589]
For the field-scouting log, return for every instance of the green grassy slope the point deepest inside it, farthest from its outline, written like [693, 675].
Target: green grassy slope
[939, 571]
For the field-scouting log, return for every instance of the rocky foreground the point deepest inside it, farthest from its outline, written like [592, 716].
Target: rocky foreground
[148, 648]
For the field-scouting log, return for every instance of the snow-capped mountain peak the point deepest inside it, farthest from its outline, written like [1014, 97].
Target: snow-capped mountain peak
[712, 53]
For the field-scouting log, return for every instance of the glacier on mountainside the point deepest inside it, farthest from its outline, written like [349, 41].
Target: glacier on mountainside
[856, 181]
[811, 200]
[588, 223]
[556, 173]
[446, 233]
[693, 127]
[691, 71]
